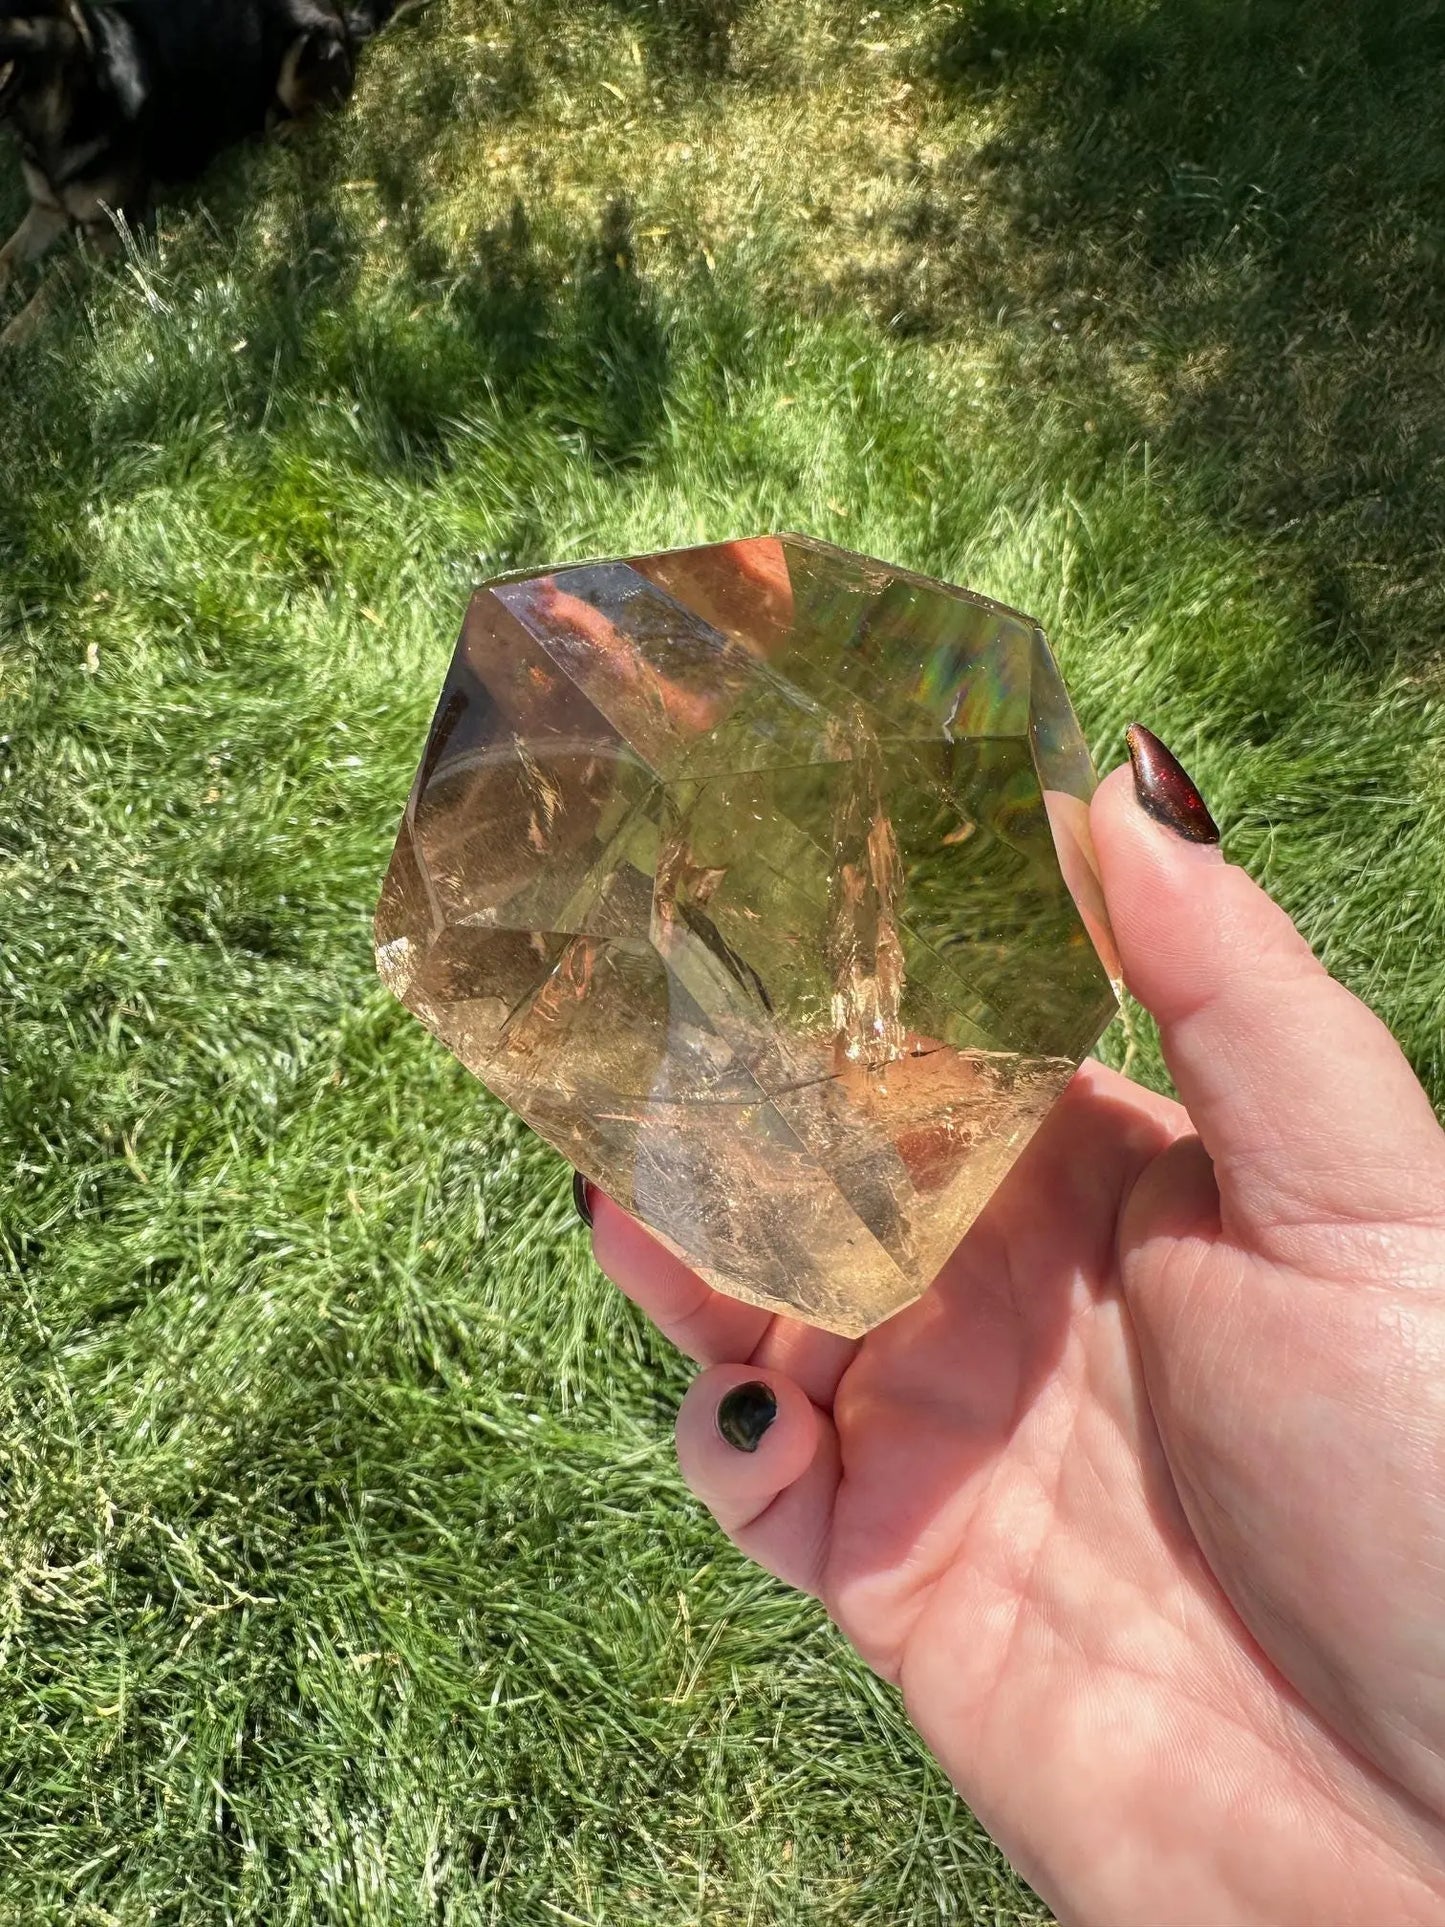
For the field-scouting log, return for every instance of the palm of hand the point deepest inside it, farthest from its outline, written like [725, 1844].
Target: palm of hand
[1005, 1531]
[1003, 1473]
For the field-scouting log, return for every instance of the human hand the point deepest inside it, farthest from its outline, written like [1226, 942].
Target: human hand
[1142, 1505]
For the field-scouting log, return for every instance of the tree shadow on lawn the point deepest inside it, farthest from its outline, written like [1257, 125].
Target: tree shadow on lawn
[1219, 225]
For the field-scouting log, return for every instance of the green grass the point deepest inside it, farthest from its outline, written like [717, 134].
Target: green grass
[345, 1575]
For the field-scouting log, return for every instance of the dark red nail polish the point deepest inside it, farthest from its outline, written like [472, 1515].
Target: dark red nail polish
[582, 1198]
[1165, 788]
[745, 1413]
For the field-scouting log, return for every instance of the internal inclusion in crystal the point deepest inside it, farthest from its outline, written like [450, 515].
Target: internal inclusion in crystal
[757, 879]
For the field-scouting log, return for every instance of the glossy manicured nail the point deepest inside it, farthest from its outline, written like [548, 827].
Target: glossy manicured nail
[1165, 788]
[582, 1198]
[745, 1413]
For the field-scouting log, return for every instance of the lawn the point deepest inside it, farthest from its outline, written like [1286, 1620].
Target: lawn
[345, 1574]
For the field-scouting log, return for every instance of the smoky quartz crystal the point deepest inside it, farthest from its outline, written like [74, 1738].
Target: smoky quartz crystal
[757, 879]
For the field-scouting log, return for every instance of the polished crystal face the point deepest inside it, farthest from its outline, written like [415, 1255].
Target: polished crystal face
[757, 879]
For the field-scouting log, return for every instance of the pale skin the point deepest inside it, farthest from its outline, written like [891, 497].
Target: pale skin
[1142, 1506]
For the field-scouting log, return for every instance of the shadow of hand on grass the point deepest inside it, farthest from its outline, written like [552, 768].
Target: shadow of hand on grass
[564, 329]
[693, 37]
[593, 357]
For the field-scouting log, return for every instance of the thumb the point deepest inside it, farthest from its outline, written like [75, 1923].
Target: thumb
[1302, 1099]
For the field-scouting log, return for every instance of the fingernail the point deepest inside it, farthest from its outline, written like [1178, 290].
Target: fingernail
[745, 1413]
[1165, 788]
[582, 1198]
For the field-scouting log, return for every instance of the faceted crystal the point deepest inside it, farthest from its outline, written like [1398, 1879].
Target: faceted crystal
[757, 879]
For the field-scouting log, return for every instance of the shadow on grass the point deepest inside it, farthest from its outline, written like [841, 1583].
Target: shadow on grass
[546, 325]
[564, 328]
[569, 330]
[688, 37]
[595, 358]
[1218, 227]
